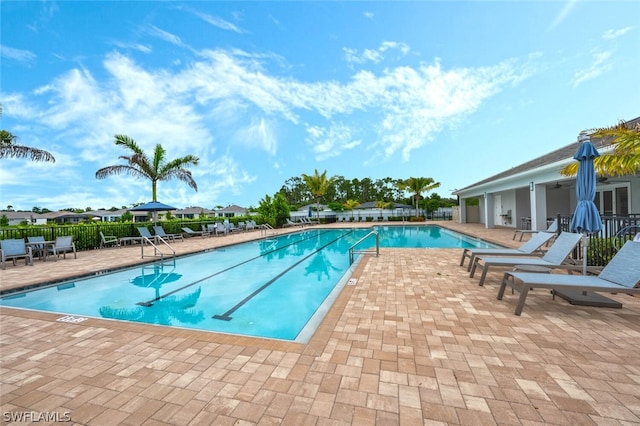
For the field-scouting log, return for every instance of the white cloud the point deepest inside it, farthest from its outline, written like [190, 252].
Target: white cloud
[19, 55]
[374, 55]
[613, 34]
[562, 15]
[599, 66]
[330, 142]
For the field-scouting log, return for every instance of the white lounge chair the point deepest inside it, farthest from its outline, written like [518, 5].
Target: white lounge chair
[555, 256]
[290, 223]
[527, 249]
[621, 275]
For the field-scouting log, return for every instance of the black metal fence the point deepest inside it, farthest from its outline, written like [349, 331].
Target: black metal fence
[87, 236]
[604, 244]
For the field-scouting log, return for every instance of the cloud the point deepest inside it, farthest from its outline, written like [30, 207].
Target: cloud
[219, 22]
[561, 16]
[19, 55]
[613, 34]
[598, 67]
[154, 31]
[330, 142]
[374, 55]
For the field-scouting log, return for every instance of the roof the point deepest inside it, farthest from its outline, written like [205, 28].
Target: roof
[560, 154]
[23, 214]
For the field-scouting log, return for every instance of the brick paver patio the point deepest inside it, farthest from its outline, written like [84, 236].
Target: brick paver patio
[415, 341]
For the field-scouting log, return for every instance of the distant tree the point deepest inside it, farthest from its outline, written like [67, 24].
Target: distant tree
[417, 186]
[624, 160]
[383, 205]
[10, 149]
[350, 205]
[10, 208]
[126, 217]
[155, 169]
[4, 220]
[318, 185]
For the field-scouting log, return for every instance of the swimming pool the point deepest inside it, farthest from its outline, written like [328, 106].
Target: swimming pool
[278, 287]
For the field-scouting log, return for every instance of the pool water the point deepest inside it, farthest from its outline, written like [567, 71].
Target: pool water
[279, 287]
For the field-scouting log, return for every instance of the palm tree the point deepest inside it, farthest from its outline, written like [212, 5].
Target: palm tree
[625, 158]
[351, 204]
[383, 205]
[9, 149]
[155, 169]
[417, 186]
[318, 184]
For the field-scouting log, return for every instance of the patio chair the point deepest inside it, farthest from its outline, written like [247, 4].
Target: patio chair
[219, 229]
[555, 256]
[106, 240]
[190, 232]
[290, 223]
[62, 246]
[553, 228]
[37, 244]
[621, 275]
[159, 230]
[527, 249]
[15, 249]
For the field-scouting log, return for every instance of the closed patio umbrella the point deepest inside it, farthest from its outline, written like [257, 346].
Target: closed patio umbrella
[586, 218]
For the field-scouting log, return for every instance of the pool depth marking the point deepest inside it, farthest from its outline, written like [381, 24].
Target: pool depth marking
[149, 303]
[226, 316]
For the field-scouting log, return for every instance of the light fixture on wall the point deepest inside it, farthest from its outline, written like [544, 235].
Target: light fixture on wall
[531, 186]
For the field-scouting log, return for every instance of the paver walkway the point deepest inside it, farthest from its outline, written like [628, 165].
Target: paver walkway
[415, 341]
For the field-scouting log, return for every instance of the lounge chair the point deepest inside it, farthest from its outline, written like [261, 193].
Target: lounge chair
[190, 232]
[621, 275]
[553, 228]
[159, 230]
[63, 245]
[106, 240]
[15, 249]
[527, 249]
[555, 256]
[145, 234]
[289, 223]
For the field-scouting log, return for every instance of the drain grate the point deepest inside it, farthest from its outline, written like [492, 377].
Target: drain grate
[71, 319]
[352, 281]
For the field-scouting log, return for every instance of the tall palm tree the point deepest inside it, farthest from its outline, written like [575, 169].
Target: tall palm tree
[318, 185]
[9, 149]
[155, 169]
[624, 160]
[417, 186]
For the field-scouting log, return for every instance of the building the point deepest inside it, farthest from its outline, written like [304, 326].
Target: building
[531, 193]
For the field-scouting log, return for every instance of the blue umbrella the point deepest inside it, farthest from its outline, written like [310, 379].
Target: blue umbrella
[586, 218]
[153, 206]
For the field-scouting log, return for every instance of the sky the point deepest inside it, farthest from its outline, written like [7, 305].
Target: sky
[265, 91]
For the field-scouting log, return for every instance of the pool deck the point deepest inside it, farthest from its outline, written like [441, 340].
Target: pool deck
[415, 341]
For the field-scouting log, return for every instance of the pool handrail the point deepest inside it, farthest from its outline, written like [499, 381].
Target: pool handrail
[156, 249]
[352, 248]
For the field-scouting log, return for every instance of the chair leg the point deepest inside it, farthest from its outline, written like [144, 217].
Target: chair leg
[485, 269]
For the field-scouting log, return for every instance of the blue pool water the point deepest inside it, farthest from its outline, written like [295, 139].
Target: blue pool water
[278, 287]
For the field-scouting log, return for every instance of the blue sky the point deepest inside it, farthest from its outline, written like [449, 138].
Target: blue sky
[264, 91]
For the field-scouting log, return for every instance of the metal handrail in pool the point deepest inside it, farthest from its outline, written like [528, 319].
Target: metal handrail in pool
[377, 250]
[156, 249]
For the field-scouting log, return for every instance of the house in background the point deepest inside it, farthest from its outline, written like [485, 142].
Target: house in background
[192, 212]
[19, 217]
[231, 211]
[530, 194]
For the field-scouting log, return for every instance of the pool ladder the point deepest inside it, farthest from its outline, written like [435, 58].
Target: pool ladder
[156, 250]
[266, 230]
[352, 249]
